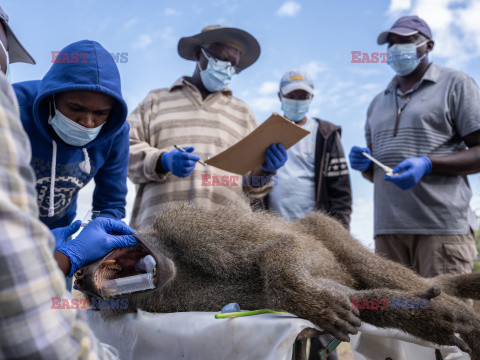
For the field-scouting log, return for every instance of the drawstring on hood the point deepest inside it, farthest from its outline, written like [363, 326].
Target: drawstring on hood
[51, 203]
[84, 166]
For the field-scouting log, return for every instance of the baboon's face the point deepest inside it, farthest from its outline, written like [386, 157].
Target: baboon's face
[120, 263]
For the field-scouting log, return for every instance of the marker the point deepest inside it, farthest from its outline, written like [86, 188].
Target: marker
[183, 150]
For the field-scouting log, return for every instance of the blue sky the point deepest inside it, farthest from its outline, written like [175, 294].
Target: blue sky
[315, 35]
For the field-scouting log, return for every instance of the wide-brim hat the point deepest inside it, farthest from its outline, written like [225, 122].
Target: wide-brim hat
[16, 51]
[237, 38]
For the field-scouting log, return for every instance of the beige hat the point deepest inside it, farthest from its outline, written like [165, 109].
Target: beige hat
[236, 38]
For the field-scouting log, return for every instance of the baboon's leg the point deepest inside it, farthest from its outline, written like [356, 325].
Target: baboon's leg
[465, 286]
[369, 270]
[372, 271]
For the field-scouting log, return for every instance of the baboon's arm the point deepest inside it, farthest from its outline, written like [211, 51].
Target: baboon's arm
[291, 287]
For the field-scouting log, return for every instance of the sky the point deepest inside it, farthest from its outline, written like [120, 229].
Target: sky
[318, 36]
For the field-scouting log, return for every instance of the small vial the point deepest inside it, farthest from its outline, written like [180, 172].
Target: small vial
[146, 264]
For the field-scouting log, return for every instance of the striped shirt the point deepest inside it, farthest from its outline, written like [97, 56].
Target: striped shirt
[29, 275]
[441, 111]
[180, 116]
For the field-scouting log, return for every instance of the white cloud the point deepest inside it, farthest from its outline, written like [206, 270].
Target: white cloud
[454, 24]
[289, 8]
[143, 41]
[268, 87]
[265, 104]
[130, 23]
[399, 5]
[313, 68]
[171, 12]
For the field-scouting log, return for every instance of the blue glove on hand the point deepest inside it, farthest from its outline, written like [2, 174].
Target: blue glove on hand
[96, 240]
[63, 233]
[413, 170]
[357, 160]
[275, 158]
[179, 163]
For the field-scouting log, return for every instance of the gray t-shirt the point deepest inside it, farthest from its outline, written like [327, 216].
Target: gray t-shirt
[443, 109]
[293, 192]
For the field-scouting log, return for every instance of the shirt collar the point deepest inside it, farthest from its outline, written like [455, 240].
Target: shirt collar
[183, 82]
[432, 74]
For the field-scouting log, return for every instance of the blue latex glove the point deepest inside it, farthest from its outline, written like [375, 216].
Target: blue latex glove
[412, 170]
[275, 158]
[179, 163]
[357, 160]
[96, 240]
[63, 233]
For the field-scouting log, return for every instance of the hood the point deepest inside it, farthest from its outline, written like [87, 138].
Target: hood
[82, 65]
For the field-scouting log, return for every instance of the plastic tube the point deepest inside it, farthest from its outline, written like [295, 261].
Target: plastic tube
[127, 284]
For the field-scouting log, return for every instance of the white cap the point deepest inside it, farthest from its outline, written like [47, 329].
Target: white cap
[296, 80]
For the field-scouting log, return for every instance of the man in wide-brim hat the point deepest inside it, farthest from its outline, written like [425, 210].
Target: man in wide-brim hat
[200, 112]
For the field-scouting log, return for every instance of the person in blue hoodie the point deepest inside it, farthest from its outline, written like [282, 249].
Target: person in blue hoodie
[75, 118]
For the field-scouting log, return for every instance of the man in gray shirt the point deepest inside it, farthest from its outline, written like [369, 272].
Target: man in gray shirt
[425, 125]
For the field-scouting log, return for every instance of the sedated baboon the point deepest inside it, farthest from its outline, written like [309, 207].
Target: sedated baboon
[311, 268]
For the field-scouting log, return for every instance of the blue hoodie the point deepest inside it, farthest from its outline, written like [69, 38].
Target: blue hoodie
[105, 159]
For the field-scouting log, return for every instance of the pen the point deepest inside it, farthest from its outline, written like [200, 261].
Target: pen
[183, 150]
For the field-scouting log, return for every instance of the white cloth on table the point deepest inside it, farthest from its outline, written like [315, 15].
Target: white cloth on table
[198, 335]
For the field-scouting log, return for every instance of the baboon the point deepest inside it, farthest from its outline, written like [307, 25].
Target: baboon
[311, 267]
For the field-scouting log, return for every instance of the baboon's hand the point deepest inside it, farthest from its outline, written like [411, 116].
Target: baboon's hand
[443, 325]
[334, 314]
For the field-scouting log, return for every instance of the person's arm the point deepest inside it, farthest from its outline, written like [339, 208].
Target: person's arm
[462, 163]
[111, 179]
[144, 165]
[338, 182]
[30, 276]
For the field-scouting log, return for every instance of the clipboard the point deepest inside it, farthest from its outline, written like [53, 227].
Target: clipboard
[249, 153]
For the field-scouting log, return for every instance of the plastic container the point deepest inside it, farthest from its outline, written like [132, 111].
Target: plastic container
[146, 264]
[128, 284]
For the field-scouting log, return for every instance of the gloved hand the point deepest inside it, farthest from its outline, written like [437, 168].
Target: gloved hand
[275, 158]
[179, 163]
[357, 160]
[63, 233]
[96, 240]
[413, 170]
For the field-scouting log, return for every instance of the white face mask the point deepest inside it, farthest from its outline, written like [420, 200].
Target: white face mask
[72, 133]
[7, 72]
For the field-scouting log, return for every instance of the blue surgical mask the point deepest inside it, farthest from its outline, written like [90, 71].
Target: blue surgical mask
[403, 58]
[295, 110]
[72, 133]
[217, 75]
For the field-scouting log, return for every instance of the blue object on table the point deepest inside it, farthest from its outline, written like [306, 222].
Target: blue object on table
[232, 307]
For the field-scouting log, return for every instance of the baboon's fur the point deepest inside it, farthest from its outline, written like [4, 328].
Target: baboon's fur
[310, 267]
